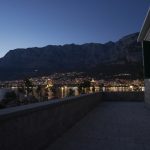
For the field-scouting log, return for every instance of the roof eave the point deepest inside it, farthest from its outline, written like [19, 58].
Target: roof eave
[145, 30]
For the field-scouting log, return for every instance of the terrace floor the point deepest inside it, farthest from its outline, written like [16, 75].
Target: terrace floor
[111, 126]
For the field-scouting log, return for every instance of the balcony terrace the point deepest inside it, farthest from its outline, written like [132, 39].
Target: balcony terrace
[123, 123]
[111, 126]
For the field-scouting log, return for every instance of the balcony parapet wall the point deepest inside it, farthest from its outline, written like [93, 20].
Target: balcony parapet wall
[35, 126]
[123, 96]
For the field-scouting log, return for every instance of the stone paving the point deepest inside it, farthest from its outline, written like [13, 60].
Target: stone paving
[111, 126]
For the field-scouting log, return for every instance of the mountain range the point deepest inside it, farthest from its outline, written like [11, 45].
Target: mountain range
[123, 56]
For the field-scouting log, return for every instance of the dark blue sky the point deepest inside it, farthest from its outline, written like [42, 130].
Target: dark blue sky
[29, 23]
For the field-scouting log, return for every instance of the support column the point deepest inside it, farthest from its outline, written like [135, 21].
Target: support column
[146, 54]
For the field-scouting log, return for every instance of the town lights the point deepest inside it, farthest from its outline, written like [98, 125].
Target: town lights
[131, 87]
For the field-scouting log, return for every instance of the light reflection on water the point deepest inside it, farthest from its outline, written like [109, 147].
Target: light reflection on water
[3, 92]
[64, 91]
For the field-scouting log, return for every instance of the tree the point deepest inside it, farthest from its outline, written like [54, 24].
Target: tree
[21, 93]
[29, 86]
[84, 85]
[10, 98]
[39, 91]
[29, 91]
[71, 92]
[54, 90]
[21, 89]
[93, 89]
[101, 85]
[80, 88]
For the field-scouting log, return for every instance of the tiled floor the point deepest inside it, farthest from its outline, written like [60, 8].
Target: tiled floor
[111, 126]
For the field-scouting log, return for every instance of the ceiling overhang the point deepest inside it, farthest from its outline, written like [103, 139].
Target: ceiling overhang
[145, 30]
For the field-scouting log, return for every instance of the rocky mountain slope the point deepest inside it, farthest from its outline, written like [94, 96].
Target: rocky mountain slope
[91, 57]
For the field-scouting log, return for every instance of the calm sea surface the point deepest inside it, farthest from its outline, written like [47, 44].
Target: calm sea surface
[61, 92]
[64, 91]
[3, 92]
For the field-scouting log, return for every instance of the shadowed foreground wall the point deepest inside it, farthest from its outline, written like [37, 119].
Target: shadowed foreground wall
[123, 96]
[32, 127]
[147, 91]
[35, 126]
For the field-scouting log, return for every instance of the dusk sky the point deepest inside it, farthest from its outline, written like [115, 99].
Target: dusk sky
[37, 23]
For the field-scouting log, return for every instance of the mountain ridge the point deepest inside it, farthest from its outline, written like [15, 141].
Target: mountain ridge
[71, 57]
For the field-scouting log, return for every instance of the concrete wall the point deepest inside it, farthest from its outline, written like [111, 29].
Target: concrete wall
[147, 91]
[34, 126]
[123, 96]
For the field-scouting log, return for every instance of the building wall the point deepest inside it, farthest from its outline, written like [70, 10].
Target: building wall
[146, 52]
[147, 91]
